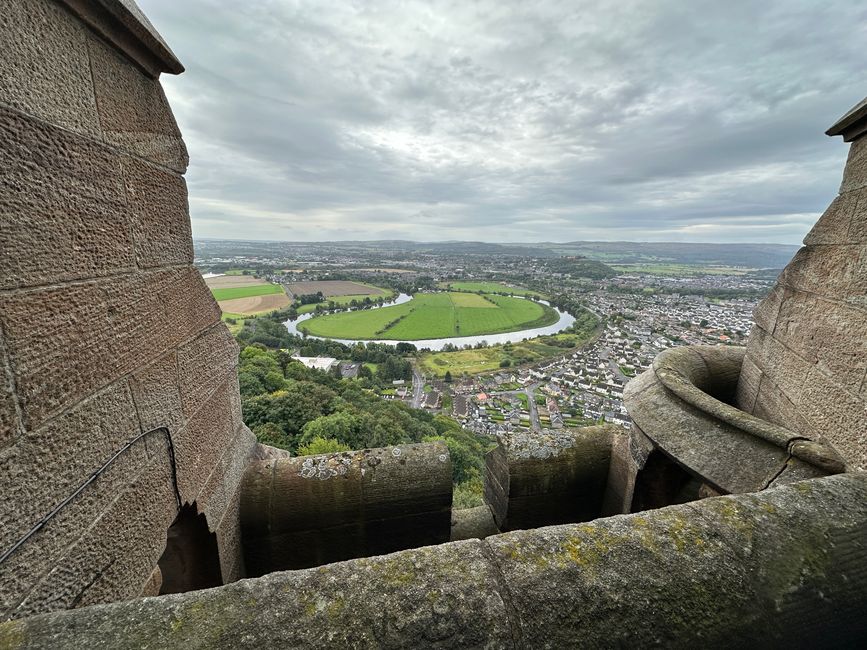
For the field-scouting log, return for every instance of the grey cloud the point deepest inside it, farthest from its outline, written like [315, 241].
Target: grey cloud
[501, 121]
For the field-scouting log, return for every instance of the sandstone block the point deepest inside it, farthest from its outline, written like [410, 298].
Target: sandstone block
[50, 463]
[205, 363]
[300, 512]
[748, 386]
[201, 443]
[765, 315]
[829, 334]
[83, 336]
[836, 223]
[118, 552]
[10, 423]
[223, 483]
[721, 572]
[160, 220]
[844, 425]
[186, 302]
[855, 173]
[63, 199]
[411, 599]
[551, 479]
[157, 396]
[133, 111]
[828, 271]
[45, 70]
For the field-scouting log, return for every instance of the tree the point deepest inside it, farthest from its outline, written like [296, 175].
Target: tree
[321, 446]
[448, 377]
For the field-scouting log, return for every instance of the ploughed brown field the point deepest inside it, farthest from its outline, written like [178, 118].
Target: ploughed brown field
[233, 281]
[334, 288]
[254, 304]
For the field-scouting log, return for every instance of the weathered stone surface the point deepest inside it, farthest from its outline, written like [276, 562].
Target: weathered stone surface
[829, 335]
[765, 315]
[729, 458]
[553, 478]
[829, 271]
[855, 174]
[300, 512]
[473, 523]
[187, 304]
[407, 599]
[748, 386]
[133, 110]
[226, 476]
[838, 416]
[156, 394]
[123, 544]
[784, 568]
[45, 70]
[200, 444]
[48, 464]
[121, 322]
[722, 572]
[63, 199]
[204, 364]
[10, 422]
[835, 224]
[160, 223]
[229, 546]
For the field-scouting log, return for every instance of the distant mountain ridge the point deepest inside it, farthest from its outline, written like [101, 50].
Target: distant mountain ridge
[758, 256]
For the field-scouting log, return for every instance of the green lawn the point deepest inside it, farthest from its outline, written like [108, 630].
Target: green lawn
[434, 315]
[246, 292]
[473, 362]
[490, 287]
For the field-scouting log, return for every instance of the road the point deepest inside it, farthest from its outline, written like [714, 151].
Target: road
[417, 388]
[530, 392]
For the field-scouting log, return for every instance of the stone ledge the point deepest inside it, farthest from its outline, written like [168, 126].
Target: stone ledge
[853, 124]
[780, 568]
[122, 23]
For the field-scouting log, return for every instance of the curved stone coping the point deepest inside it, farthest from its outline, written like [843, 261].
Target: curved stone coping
[693, 372]
[784, 567]
[123, 24]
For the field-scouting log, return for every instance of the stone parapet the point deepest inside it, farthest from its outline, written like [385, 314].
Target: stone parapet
[534, 479]
[311, 510]
[784, 568]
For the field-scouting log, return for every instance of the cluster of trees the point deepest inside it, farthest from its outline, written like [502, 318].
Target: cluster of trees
[310, 298]
[306, 411]
[580, 267]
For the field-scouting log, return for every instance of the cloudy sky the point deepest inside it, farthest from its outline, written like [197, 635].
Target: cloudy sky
[512, 121]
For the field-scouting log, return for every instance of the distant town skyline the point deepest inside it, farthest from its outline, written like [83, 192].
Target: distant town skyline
[319, 121]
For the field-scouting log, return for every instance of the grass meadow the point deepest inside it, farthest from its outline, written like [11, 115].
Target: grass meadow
[434, 315]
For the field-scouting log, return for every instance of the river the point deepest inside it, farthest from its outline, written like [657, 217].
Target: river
[564, 321]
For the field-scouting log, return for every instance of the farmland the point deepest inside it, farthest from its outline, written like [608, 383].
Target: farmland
[330, 288]
[434, 315]
[244, 295]
[489, 287]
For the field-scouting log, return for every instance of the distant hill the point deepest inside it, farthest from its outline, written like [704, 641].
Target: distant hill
[580, 267]
[758, 256]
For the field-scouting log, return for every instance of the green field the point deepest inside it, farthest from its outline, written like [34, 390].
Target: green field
[472, 362]
[434, 315]
[489, 287]
[246, 292]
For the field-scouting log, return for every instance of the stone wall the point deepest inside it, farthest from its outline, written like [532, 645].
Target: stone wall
[107, 331]
[312, 510]
[534, 480]
[806, 362]
[782, 568]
